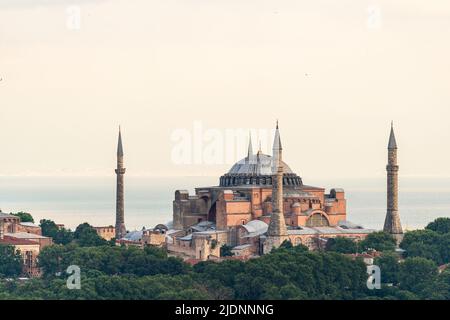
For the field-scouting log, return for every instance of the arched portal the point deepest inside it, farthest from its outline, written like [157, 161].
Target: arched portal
[317, 220]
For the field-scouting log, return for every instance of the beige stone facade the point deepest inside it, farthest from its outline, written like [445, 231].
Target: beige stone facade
[106, 233]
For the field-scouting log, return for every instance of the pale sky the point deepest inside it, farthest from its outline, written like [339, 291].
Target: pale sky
[335, 73]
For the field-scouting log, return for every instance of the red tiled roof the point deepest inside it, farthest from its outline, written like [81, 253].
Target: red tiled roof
[16, 241]
[444, 267]
[241, 258]
[192, 261]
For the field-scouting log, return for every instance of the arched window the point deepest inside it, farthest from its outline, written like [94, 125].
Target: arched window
[298, 241]
[317, 220]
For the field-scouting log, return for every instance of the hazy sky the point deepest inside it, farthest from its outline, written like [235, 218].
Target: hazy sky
[335, 73]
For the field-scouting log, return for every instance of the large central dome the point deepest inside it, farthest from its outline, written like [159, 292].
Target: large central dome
[257, 170]
[260, 164]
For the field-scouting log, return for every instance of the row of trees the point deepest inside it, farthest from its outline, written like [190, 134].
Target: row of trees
[84, 235]
[432, 243]
[286, 273]
[379, 241]
[116, 272]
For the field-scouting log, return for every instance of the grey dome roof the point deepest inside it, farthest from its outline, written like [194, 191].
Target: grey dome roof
[255, 228]
[260, 164]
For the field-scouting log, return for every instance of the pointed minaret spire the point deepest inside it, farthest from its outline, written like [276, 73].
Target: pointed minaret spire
[119, 145]
[277, 231]
[392, 223]
[392, 143]
[277, 140]
[250, 147]
[120, 171]
[277, 150]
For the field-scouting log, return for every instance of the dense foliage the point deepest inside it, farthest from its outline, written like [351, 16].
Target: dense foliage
[342, 245]
[379, 241]
[109, 260]
[86, 236]
[59, 235]
[118, 272]
[24, 216]
[10, 261]
[427, 244]
[440, 225]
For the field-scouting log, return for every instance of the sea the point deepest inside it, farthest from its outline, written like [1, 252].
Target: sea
[148, 200]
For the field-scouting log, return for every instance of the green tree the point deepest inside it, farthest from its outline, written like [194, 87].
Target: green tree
[380, 241]
[341, 245]
[24, 216]
[427, 244]
[287, 244]
[86, 236]
[440, 225]
[225, 251]
[59, 235]
[10, 261]
[389, 267]
[416, 274]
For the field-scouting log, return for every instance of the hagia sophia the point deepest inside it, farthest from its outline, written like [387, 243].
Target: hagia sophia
[259, 203]
[256, 206]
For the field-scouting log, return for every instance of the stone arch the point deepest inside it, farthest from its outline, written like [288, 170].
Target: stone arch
[318, 219]
[162, 228]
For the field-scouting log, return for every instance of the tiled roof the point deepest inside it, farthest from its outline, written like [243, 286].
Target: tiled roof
[16, 241]
[25, 235]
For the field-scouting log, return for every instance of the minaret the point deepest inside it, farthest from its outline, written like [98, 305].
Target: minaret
[120, 171]
[277, 150]
[250, 150]
[277, 232]
[392, 223]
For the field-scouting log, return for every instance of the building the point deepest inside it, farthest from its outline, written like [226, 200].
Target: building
[147, 237]
[392, 222]
[29, 250]
[8, 222]
[29, 227]
[260, 202]
[107, 233]
[26, 238]
[120, 208]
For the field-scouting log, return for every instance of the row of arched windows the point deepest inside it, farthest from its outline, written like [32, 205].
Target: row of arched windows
[257, 180]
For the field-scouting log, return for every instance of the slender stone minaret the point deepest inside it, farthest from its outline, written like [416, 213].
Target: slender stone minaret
[392, 223]
[277, 232]
[120, 171]
[250, 157]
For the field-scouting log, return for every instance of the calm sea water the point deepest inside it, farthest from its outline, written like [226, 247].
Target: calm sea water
[148, 201]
